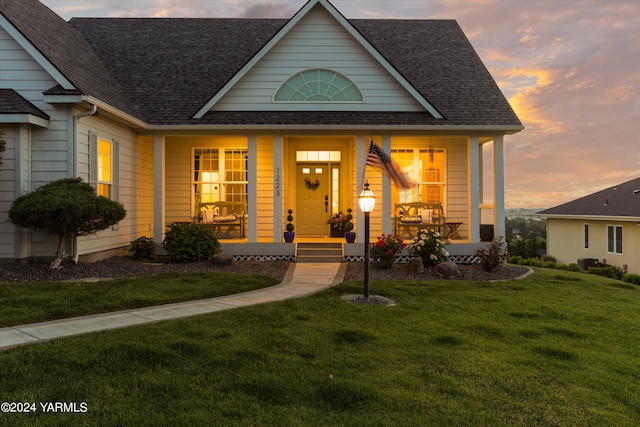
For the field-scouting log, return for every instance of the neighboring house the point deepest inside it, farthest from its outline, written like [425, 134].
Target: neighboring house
[169, 115]
[603, 227]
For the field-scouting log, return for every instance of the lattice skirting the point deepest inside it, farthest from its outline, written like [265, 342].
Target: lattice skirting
[264, 258]
[404, 259]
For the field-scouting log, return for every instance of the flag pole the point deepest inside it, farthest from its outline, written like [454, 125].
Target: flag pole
[364, 169]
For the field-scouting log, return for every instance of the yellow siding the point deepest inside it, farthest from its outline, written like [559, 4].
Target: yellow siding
[265, 188]
[179, 170]
[565, 241]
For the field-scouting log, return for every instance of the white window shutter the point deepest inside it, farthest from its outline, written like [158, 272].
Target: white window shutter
[93, 160]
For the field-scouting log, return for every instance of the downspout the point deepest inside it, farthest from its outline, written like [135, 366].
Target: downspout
[76, 118]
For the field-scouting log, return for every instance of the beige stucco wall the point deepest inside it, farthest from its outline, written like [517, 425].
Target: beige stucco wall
[565, 241]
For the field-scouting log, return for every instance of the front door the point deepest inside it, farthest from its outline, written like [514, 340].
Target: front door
[313, 199]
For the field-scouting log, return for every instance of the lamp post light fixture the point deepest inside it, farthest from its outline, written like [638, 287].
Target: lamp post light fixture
[367, 202]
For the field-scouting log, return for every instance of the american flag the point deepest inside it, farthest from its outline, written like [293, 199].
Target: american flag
[378, 158]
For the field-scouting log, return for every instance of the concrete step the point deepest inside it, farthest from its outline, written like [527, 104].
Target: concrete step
[319, 252]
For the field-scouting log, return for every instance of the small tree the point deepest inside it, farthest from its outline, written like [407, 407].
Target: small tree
[68, 208]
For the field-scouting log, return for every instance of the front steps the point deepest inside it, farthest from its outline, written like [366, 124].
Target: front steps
[319, 252]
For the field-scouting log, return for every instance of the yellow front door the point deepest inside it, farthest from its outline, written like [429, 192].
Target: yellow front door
[313, 199]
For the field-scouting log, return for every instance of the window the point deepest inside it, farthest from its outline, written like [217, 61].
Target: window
[614, 239]
[318, 85]
[427, 168]
[219, 175]
[105, 168]
[586, 236]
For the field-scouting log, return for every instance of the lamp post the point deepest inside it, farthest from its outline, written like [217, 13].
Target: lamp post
[367, 202]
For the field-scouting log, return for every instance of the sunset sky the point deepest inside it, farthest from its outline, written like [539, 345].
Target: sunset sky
[570, 68]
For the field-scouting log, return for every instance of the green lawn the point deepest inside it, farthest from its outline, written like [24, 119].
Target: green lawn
[36, 302]
[554, 349]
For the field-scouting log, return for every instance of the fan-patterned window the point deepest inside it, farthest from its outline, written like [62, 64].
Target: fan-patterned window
[318, 85]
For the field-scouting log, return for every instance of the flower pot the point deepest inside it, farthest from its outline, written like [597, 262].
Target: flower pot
[350, 236]
[337, 232]
[289, 236]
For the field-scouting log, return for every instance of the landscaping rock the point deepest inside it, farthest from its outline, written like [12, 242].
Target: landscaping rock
[415, 265]
[448, 270]
[221, 260]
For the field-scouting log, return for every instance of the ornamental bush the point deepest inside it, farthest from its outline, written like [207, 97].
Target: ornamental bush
[67, 208]
[631, 278]
[143, 247]
[492, 256]
[430, 246]
[383, 253]
[190, 242]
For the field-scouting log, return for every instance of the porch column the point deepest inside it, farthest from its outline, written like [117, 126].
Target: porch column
[252, 191]
[474, 189]
[158, 188]
[361, 163]
[498, 186]
[386, 190]
[277, 188]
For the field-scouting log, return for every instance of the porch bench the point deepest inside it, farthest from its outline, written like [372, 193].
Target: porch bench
[223, 215]
[418, 215]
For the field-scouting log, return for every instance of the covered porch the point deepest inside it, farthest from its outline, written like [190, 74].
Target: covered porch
[272, 172]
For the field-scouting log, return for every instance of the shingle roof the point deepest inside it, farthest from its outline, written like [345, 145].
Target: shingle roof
[66, 49]
[622, 200]
[169, 68]
[11, 102]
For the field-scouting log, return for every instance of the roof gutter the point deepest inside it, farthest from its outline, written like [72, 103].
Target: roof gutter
[591, 217]
[76, 119]
[507, 129]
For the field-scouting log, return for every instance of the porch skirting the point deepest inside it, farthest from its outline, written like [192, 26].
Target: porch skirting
[460, 253]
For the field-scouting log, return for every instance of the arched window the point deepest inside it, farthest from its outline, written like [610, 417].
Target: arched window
[318, 85]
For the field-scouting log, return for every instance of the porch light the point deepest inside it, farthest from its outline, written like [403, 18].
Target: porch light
[367, 202]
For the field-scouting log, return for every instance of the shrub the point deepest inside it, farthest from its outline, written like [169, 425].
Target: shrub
[190, 242]
[383, 253]
[67, 208]
[493, 255]
[568, 267]
[548, 264]
[534, 262]
[143, 247]
[632, 278]
[549, 258]
[610, 271]
[514, 259]
[430, 246]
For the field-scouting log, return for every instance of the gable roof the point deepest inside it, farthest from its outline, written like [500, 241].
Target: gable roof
[62, 51]
[163, 71]
[11, 102]
[350, 30]
[619, 201]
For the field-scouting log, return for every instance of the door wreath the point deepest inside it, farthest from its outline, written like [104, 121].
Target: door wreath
[311, 185]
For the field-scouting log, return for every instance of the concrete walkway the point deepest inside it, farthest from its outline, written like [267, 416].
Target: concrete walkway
[300, 280]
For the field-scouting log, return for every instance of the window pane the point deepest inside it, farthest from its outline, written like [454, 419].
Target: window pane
[104, 190]
[618, 240]
[586, 236]
[104, 161]
[610, 238]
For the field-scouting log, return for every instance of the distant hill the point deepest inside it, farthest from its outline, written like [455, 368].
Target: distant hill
[523, 212]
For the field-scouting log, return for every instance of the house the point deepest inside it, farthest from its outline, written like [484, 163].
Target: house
[603, 227]
[177, 118]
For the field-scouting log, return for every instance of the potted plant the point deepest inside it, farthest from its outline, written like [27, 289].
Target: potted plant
[348, 228]
[337, 222]
[289, 234]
